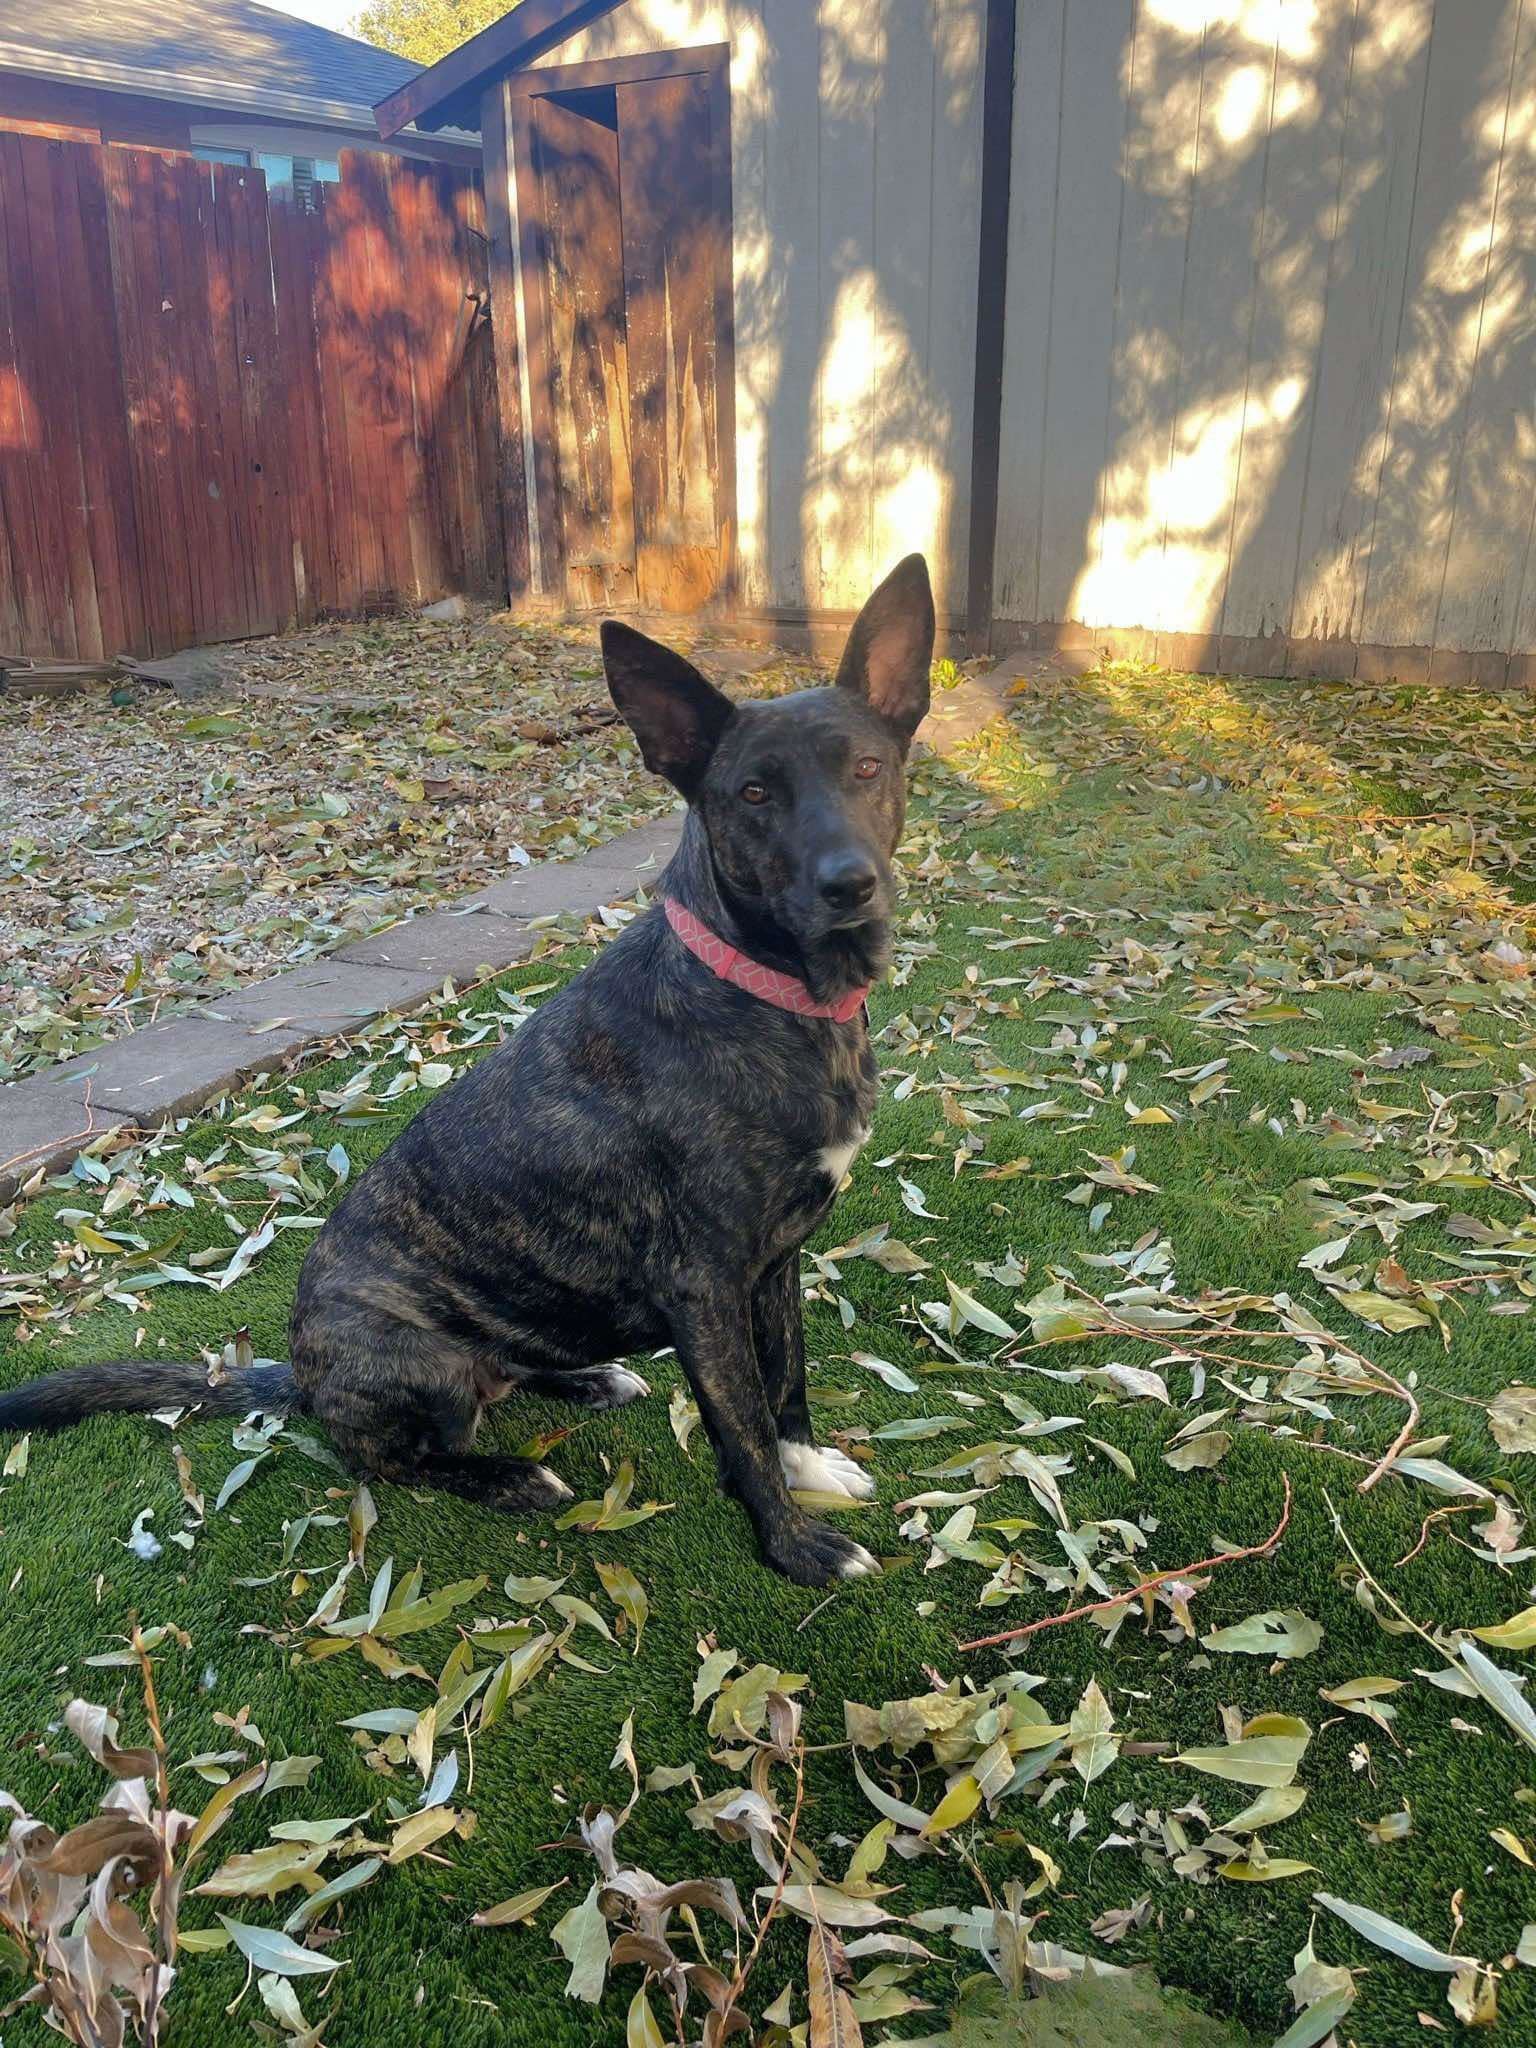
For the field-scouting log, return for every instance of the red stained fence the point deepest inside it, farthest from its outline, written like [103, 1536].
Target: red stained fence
[221, 415]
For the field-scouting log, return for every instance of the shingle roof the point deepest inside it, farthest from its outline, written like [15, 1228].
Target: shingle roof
[209, 39]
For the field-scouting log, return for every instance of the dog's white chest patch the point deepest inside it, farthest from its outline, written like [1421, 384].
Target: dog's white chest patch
[835, 1160]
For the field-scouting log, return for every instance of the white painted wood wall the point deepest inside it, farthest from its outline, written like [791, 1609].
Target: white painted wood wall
[856, 176]
[1270, 368]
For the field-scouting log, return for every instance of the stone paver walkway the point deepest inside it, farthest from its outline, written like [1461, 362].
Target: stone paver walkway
[168, 1070]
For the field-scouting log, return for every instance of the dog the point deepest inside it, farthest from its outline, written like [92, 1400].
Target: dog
[640, 1165]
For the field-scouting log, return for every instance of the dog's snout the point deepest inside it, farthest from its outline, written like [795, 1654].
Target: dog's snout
[846, 880]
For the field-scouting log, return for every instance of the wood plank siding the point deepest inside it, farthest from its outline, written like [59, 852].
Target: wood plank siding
[1270, 364]
[221, 416]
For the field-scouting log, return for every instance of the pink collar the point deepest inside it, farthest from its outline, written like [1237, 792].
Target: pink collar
[766, 983]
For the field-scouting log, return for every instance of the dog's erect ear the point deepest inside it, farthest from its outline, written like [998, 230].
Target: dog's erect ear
[890, 650]
[676, 714]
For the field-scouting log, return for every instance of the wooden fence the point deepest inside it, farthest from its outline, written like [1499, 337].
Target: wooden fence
[221, 415]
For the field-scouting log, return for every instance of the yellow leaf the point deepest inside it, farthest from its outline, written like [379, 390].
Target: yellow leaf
[212, 1817]
[1380, 1309]
[94, 1241]
[1263, 1761]
[203, 1941]
[641, 2030]
[418, 1744]
[1036, 1734]
[420, 1832]
[1154, 1115]
[1508, 1839]
[1050, 1872]
[1200, 1453]
[1267, 1811]
[511, 1912]
[1518, 1633]
[1245, 1872]
[957, 1805]
[1354, 1690]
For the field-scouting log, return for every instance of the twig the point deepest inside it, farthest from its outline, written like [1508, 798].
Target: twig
[1436, 1515]
[1157, 1579]
[165, 1915]
[1400, 1442]
[820, 1604]
[1375, 1584]
[1384, 1381]
[778, 1891]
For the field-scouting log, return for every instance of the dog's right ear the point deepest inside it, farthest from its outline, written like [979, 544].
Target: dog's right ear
[676, 714]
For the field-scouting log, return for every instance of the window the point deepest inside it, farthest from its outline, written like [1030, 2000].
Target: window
[208, 154]
[295, 177]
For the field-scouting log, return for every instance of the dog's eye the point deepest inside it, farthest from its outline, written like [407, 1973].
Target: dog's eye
[867, 768]
[753, 793]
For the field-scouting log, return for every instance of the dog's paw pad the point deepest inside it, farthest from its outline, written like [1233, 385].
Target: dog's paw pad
[817, 1468]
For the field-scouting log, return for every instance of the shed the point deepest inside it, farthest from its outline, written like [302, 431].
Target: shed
[1194, 331]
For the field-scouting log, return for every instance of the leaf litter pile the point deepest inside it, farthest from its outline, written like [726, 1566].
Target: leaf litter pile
[332, 782]
[1181, 1305]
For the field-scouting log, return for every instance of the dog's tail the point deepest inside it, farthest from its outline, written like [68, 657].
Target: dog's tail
[131, 1387]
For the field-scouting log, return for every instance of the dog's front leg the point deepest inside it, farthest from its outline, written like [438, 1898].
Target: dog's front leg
[712, 1328]
[778, 1332]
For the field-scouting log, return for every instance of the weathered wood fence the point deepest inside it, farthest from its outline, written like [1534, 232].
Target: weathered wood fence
[221, 415]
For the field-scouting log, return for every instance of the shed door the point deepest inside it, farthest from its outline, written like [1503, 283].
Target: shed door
[578, 148]
[634, 246]
[670, 259]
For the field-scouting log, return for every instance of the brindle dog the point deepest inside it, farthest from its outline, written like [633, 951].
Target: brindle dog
[642, 1162]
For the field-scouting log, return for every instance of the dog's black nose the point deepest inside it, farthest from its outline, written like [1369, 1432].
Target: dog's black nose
[846, 881]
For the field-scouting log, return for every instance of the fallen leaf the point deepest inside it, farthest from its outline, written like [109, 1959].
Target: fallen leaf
[1285, 1634]
[581, 1935]
[1391, 1935]
[1512, 1418]
[514, 1911]
[832, 2023]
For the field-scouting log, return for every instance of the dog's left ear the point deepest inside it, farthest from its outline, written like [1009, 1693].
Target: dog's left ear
[676, 714]
[890, 650]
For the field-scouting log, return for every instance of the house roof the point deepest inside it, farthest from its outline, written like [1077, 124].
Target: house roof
[450, 91]
[229, 53]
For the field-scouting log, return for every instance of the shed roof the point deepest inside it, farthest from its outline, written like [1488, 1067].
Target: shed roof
[231, 53]
[449, 92]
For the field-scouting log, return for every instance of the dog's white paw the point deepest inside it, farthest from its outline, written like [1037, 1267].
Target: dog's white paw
[605, 1386]
[860, 1565]
[557, 1485]
[623, 1385]
[817, 1468]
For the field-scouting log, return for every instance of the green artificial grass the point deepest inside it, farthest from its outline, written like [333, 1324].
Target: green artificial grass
[1221, 827]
